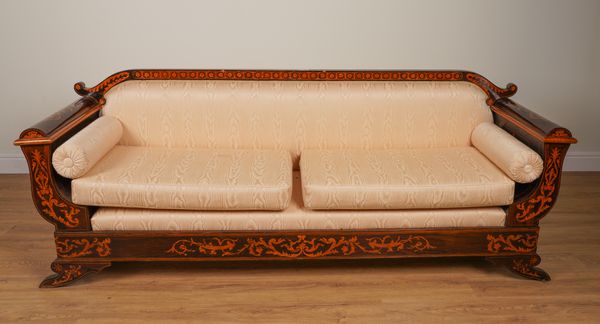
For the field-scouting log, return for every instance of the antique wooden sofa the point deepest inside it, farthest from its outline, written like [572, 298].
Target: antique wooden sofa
[191, 165]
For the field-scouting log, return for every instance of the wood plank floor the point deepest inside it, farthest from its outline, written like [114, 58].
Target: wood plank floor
[456, 290]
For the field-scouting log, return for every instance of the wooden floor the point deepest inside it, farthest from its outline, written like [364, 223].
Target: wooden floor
[461, 290]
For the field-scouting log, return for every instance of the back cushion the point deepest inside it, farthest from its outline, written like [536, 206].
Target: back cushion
[294, 115]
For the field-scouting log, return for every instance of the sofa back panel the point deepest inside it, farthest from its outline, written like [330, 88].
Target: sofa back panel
[294, 115]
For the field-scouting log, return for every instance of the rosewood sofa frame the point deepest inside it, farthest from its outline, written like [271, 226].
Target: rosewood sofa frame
[81, 251]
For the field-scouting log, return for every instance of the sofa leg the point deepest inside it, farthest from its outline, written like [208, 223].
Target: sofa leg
[525, 266]
[68, 272]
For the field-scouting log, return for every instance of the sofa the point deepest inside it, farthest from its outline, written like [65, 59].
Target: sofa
[194, 165]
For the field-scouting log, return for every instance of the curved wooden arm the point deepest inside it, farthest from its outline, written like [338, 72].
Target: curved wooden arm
[533, 201]
[61, 122]
[51, 192]
[528, 126]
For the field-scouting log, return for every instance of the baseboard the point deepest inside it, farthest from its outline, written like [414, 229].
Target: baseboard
[582, 161]
[12, 164]
[575, 161]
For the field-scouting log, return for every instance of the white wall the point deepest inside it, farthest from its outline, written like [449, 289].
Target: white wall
[550, 49]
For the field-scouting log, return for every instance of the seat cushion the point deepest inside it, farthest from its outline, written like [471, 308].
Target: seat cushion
[195, 179]
[295, 217]
[402, 179]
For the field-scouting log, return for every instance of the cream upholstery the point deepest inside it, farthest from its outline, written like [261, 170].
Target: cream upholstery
[518, 161]
[297, 115]
[163, 178]
[218, 155]
[402, 179]
[295, 217]
[79, 153]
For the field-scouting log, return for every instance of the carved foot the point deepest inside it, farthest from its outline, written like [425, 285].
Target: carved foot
[68, 272]
[524, 266]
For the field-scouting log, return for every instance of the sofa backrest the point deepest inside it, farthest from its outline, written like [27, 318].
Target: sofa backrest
[294, 115]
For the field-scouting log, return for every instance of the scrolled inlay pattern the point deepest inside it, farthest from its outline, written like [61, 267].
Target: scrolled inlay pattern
[542, 200]
[210, 247]
[73, 248]
[520, 243]
[301, 246]
[50, 204]
[526, 267]
[65, 274]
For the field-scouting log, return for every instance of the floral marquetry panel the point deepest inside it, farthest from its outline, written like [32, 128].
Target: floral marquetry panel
[73, 248]
[533, 207]
[520, 243]
[48, 200]
[161, 245]
[302, 246]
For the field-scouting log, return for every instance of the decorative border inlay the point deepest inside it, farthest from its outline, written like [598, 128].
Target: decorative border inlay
[494, 92]
[560, 133]
[300, 246]
[31, 133]
[73, 248]
[541, 201]
[520, 243]
[51, 205]
[298, 75]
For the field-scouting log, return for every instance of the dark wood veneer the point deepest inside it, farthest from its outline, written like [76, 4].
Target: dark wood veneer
[81, 251]
[307, 244]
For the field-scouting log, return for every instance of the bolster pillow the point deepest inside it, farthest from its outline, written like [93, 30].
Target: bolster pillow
[77, 155]
[516, 159]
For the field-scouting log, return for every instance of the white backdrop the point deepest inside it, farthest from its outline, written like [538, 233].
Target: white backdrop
[550, 49]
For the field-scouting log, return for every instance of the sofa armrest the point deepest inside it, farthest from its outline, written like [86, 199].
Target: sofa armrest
[51, 193]
[529, 127]
[534, 200]
[61, 122]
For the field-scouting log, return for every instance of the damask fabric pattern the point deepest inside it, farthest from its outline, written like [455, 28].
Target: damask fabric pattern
[297, 115]
[78, 154]
[402, 179]
[193, 179]
[295, 217]
[516, 159]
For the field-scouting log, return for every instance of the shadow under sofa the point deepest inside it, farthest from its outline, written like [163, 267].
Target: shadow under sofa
[190, 165]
